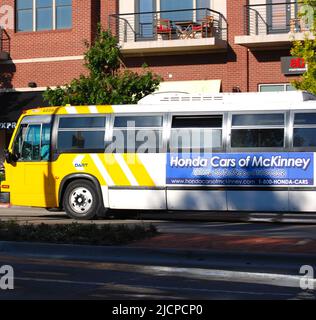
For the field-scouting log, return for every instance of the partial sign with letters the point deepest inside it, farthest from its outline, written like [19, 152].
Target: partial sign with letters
[240, 169]
[293, 65]
[8, 125]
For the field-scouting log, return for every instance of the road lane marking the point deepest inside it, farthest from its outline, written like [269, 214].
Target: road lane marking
[273, 279]
[111, 285]
[279, 280]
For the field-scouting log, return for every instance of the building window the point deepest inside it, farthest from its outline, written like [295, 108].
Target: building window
[37, 15]
[44, 14]
[199, 5]
[276, 87]
[25, 15]
[63, 14]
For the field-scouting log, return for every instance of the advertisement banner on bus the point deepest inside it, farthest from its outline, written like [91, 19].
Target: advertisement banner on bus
[238, 169]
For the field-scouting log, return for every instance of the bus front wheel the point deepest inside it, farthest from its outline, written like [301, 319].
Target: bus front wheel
[81, 200]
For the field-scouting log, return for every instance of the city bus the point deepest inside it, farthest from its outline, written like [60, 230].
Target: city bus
[174, 152]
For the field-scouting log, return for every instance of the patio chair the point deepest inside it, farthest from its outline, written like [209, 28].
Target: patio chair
[206, 27]
[184, 33]
[163, 26]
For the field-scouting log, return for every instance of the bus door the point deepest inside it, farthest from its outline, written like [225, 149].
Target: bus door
[191, 181]
[135, 162]
[31, 181]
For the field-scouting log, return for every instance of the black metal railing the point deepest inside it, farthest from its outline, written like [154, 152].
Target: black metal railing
[169, 25]
[4, 43]
[274, 18]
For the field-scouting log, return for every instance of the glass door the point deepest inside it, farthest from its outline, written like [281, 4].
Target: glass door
[145, 22]
[278, 16]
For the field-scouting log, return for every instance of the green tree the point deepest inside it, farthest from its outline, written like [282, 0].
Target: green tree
[306, 49]
[107, 82]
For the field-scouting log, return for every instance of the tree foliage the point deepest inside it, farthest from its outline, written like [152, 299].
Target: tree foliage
[306, 49]
[106, 82]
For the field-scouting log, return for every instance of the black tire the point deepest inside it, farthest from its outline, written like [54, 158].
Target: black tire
[81, 200]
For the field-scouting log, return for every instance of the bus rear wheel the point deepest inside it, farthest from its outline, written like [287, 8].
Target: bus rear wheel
[81, 200]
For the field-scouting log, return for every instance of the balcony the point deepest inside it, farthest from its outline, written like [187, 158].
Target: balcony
[4, 45]
[273, 26]
[170, 32]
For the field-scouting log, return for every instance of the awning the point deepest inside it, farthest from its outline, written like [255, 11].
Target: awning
[13, 103]
[196, 86]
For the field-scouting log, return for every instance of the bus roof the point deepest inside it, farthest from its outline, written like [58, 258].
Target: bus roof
[180, 97]
[179, 102]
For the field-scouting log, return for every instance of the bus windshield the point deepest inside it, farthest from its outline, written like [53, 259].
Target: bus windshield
[32, 141]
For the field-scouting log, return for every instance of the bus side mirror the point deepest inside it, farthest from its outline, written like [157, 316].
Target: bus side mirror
[10, 157]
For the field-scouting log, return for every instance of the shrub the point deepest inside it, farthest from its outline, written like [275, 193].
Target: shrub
[75, 233]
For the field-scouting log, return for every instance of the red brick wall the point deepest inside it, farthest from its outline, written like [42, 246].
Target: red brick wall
[265, 67]
[108, 7]
[42, 73]
[236, 67]
[57, 43]
[231, 66]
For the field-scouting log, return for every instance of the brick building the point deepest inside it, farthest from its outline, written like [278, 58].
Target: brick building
[195, 45]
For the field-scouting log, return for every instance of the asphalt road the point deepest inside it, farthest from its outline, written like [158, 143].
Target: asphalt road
[66, 279]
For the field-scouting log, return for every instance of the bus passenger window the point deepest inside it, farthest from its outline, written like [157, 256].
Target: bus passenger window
[136, 134]
[196, 133]
[257, 131]
[81, 133]
[304, 135]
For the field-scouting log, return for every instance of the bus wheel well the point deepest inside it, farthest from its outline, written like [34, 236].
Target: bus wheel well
[68, 179]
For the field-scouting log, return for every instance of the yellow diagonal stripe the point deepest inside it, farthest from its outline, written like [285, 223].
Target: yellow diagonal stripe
[94, 169]
[138, 170]
[115, 171]
[104, 109]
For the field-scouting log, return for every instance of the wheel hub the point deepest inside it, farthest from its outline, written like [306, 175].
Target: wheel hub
[81, 200]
